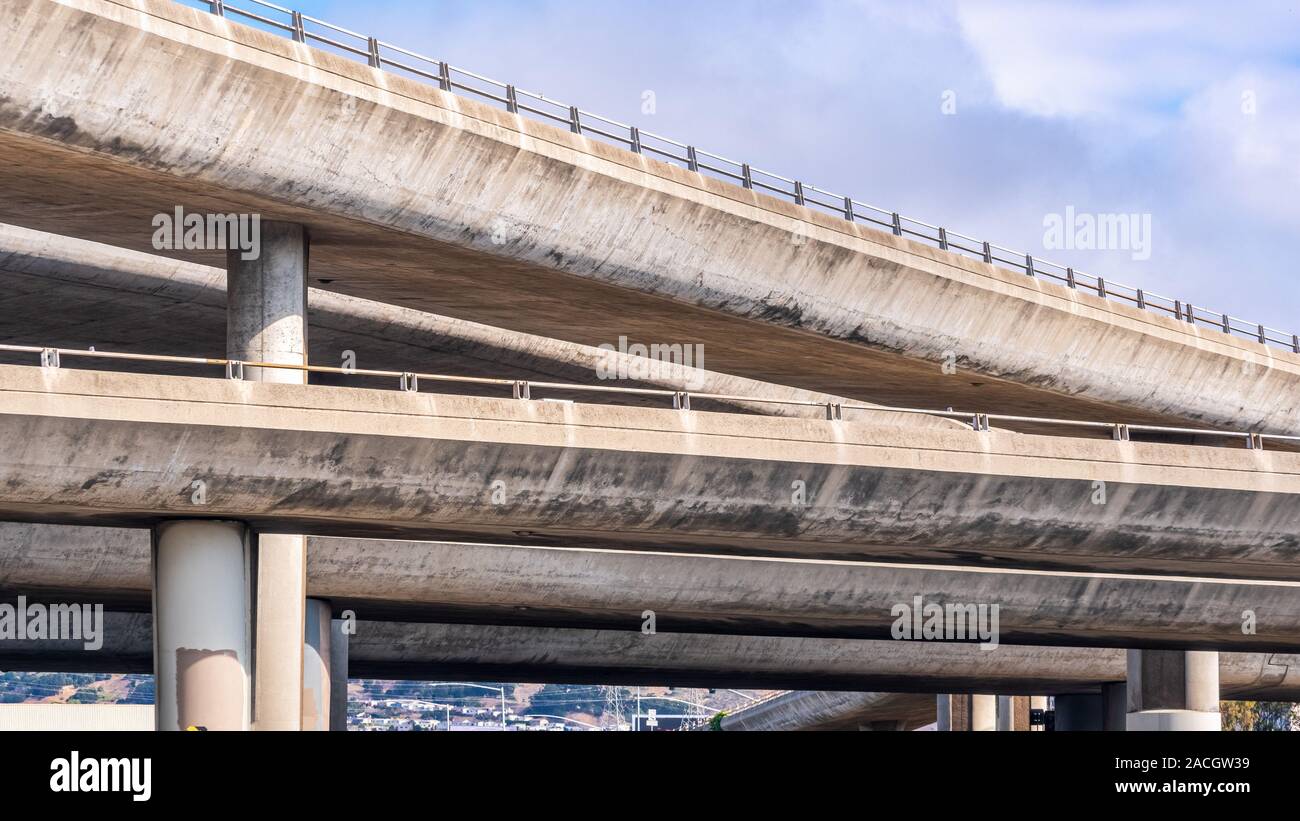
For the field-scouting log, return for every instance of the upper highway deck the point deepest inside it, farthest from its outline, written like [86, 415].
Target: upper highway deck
[116, 110]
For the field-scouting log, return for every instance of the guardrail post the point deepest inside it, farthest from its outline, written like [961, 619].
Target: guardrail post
[798, 193]
[681, 400]
[444, 76]
[988, 253]
[575, 123]
[1227, 325]
[372, 45]
[50, 358]
[523, 390]
[1191, 313]
[1142, 300]
[943, 239]
[1178, 310]
[410, 382]
[218, 7]
[299, 30]
[1029, 265]
[235, 370]
[1295, 342]
[1263, 337]
[512, 101]
[898, 224]
[636, 139]
[1101, 287]
[834, 412]
[746, 178]
[1254, 441]
[1069, 278]
[692, 161]
[848, 209]
[1119, 433]
[980, 422]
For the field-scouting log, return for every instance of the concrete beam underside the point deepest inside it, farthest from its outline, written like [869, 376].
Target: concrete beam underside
[340, 461]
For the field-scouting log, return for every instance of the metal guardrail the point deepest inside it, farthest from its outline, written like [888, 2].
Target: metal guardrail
[382, 55]
[409, 381]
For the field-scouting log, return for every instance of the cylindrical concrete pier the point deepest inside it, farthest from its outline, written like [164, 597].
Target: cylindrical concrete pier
[281, 611]
[1114, 706]
[201, 606]
[338, 675]
[943, 717]
[266, 304]
[962, 713]
[316, 666]
[1076, 712]
[266, 321]
[1006, 714]
[1173, 690]
[984, 713]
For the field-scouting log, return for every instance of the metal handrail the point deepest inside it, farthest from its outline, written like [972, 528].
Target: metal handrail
[409, 381]
[372, 50]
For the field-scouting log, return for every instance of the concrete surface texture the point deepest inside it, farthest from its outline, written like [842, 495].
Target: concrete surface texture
[118, 110]
[813, 710]
[468, 652]
[70, 293]
[83, 447]
[390, 580]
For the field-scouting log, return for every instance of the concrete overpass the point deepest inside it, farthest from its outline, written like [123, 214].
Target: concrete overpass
[58, 291]
[85, 447]
[384, 580]
[470, 652]
[117, 110]
[533, 239]
[818, 710]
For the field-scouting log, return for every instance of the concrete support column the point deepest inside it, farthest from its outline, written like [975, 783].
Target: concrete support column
[316, 653]
[266, 321]
[266, 304]
[1173, 690]
[1114, 706]
[962, 713]
[984, 713]
[202, 639]
[1006, 714]
[1075, 712]
[943, 713]
[281, 614]
[338, 675]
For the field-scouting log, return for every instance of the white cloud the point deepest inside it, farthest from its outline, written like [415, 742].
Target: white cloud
[1111, 59]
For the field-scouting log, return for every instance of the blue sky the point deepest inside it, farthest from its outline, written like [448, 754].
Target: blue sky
[1186, 111]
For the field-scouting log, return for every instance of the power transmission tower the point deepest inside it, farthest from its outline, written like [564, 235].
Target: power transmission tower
[614, 705]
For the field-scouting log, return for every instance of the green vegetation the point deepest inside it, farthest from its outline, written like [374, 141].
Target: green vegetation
[1266, 716]
[19, 687]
